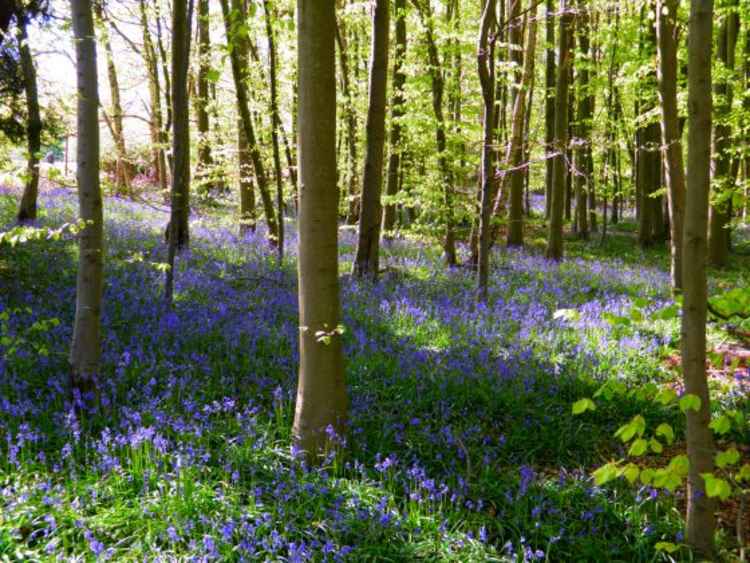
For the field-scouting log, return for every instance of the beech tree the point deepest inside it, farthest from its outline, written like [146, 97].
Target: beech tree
[370, 214]
[557, 204]
[397, 112]
[724, 174]
[701, 521]
[85, 351]
[178, 228]
[28, 206]
[666, 13]
[321, 392]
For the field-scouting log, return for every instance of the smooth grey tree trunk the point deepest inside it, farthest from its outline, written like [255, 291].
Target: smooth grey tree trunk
[28, 206]
[321, 392]
[367, 261]
[666, 30]
[85, 352]
[555, 234]
[701, 521]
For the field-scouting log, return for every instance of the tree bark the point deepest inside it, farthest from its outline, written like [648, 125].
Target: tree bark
[549, 104]
[555, 235]
[178, 229]
[270, 17]
[701, 521]
[122, 168]
[27, 209]
[397, 113]
[158, 137]
[438, 89]
[240, 43]
[367, 260]
[666, 29]
[723, 180]
[486, 70]
[514, 160]
[85, 352]
[321, 393]
[205, 164]
[350, 117]
[582, 174]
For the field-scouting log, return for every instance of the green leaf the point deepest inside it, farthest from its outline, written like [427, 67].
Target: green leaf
[668, 313]
[727, 458]
[716, 487]
[655, 446]
[669, 547]
[580, 407]
[636, 426]
[631, 472]
[639, 447]
[721, 425]
[665, 430]
[213, 75]
[666, 396]
[679, 465]
[647, 475]
[636, 315]
[690, 401]
[640, 302]
[605, 473]
[744, 473]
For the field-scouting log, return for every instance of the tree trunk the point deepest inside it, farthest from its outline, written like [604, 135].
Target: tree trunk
[270, 17]
[247, 190]
[27, 208]
[351, 125]
[370, 214]
[158, 138]
[122, 168]
[438, 89]
[723, 180]
[701, 521]
[549, 104]
[514, 162]
[666, 30]
[85, 352]
[178, 229]
[582, 174]
[205, 164]
[555, 236]
[238, 58]
[486, 70]
[321, 393]
[397, 113]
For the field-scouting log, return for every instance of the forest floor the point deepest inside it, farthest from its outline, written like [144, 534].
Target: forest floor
[462, 442]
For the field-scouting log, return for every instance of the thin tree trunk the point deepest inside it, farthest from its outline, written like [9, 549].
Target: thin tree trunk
[549, 104]
[666, 30]
[351, 125]
[85, 352]
[205, 164]
[555, 235]
[158, 137]
[721, 211]
[486, 70]
[247, 190]
[240, 43]
[270, 17]
[514, 162]
[582, 174]
[178, 229]
[122, 168]
[321, 393]
[397, 113]
[370, 216]
[438, 88]
[701, 521]
[28, 206]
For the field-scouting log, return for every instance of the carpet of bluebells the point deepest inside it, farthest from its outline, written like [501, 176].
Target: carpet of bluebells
[462, 445]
